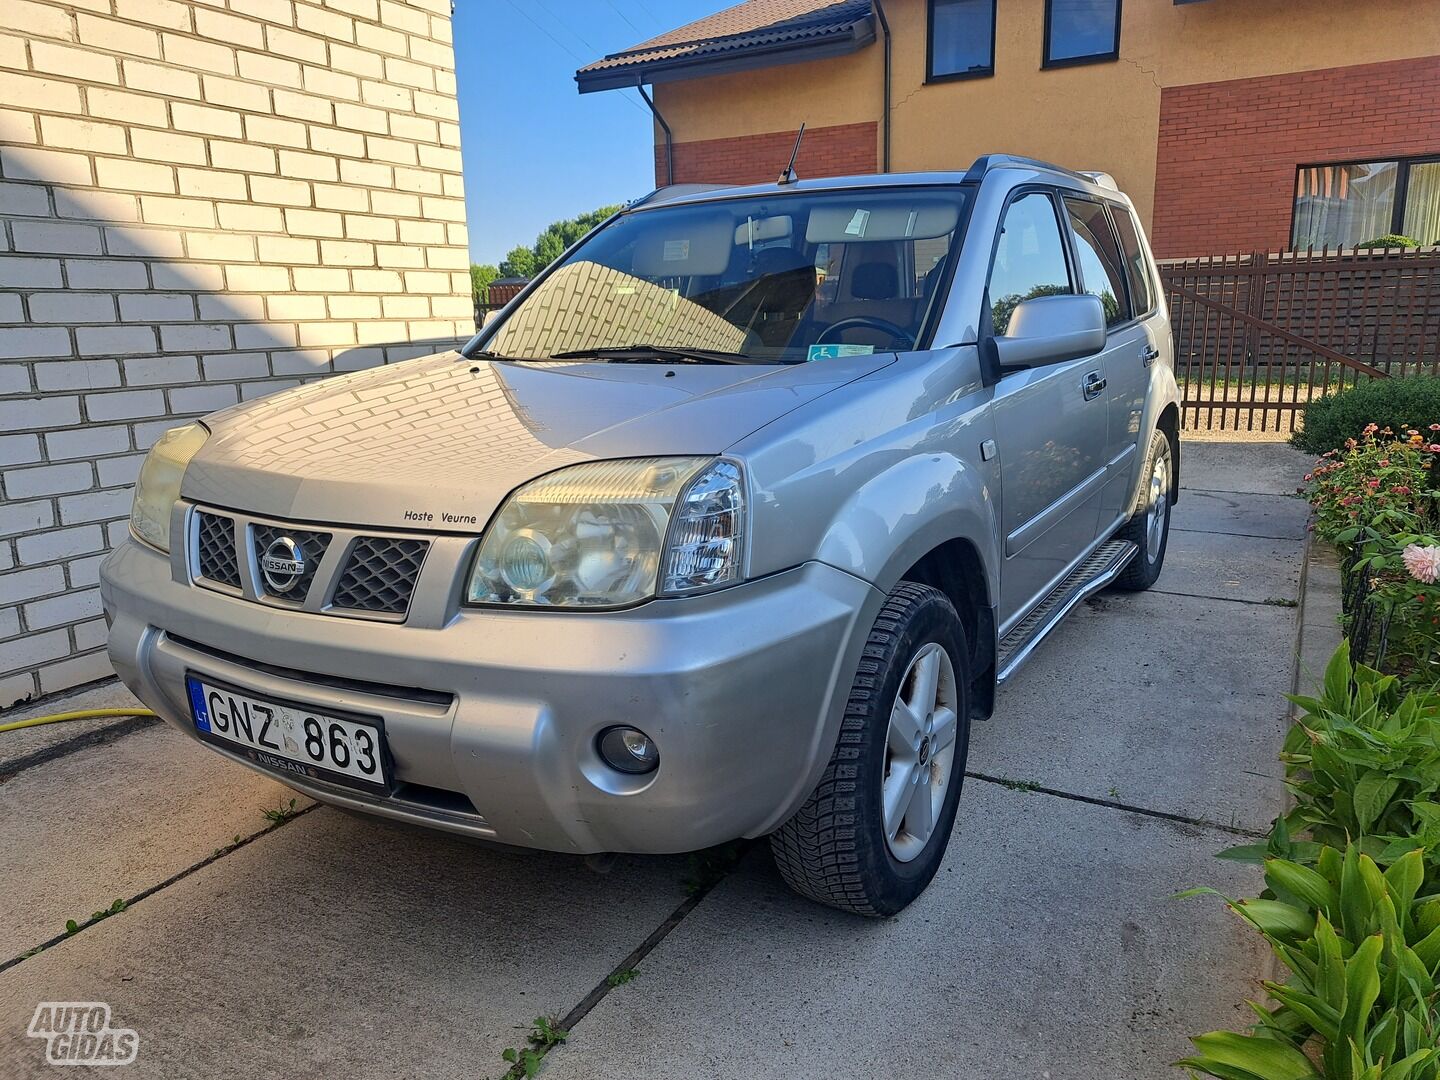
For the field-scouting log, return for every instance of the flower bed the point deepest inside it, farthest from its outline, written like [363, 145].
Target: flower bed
[1378, 501]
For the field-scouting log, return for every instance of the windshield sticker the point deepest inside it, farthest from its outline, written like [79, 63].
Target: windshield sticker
[834, 352]
[676, 251]
[858, 223]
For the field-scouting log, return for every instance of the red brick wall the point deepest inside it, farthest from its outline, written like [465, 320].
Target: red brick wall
[754, 159]
[1225, 176]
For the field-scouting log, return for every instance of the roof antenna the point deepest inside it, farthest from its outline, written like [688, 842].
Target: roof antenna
[788, 176]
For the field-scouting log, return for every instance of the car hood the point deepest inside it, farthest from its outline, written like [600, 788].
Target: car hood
[437, 443]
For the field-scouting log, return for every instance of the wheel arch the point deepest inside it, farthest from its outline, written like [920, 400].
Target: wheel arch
[1169, 423]
[955, 568]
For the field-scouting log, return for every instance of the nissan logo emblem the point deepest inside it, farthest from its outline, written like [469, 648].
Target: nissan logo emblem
[283, 564]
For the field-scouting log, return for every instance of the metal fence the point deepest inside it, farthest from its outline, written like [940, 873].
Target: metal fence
[1258, 336]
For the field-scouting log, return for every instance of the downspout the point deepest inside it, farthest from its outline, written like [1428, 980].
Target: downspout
[669, 142]
[885, 120]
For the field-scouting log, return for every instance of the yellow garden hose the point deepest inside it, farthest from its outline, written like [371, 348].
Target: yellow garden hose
[82, 714]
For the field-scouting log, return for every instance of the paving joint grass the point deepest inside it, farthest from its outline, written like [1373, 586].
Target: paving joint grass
[1116, 804]
[1238, 536]
[626, 971]
[1269, 601]
[1228, 491]
[124, 905]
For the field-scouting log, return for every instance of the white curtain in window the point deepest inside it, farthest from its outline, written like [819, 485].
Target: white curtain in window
[1422, 203]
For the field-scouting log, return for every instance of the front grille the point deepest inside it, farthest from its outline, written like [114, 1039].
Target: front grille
[218, 562]
[380, 574]
[311, 544]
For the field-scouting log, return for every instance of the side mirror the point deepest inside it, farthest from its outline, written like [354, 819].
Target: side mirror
[489, 317]
[1051, 329]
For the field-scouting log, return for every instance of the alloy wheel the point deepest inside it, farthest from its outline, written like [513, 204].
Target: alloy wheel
[919, 752]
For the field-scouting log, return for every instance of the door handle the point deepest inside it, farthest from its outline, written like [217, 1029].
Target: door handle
[1094, 385]
[1149, 355]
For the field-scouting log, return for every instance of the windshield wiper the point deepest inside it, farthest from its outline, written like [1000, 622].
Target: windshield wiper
[647, 354]
[486, 354]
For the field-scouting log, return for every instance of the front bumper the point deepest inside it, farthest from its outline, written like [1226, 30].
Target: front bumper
[491, 718]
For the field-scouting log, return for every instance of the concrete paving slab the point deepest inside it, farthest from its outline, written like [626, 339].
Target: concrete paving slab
[1166, 702]
[344, 947]
[1248, 568]
[1240, 515]
[1263, 468]
[1048, 946]
[109, 821]
[19, 745]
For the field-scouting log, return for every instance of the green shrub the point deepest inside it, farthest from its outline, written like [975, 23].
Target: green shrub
[1398, 403]
[1391, 240]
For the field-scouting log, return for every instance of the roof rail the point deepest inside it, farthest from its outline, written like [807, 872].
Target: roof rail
[673, 191]
[1104, 179]
[986, 162]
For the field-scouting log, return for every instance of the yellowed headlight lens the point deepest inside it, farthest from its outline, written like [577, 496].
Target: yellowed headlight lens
[159, 485]
[588, 536]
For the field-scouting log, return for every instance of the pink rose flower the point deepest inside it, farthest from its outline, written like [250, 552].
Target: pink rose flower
[1422, 562]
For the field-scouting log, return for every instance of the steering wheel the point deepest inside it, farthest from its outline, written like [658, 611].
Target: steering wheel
[903, 337]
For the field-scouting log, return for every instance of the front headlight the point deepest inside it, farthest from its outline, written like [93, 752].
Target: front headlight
[159, 485]
[608, 534]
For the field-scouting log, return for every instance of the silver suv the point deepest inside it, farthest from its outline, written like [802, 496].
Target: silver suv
[727, 526]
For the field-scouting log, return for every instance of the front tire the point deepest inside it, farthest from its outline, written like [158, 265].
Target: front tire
[873, 833]
[1149, 529]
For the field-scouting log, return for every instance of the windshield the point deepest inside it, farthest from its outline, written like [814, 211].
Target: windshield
[780, 279]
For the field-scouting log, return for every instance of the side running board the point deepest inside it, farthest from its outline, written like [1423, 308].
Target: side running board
[1092, 575]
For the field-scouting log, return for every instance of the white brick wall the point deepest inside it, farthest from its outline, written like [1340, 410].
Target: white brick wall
[201, 201]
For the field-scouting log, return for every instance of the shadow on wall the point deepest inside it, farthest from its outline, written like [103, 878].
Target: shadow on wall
[112, 331]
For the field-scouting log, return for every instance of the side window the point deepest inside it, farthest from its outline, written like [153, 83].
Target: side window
[1098, 252]
[1029, 258]
[1137, 267]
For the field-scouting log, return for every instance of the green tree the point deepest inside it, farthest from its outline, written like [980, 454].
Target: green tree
[551, 243]
[519, 263]
[481, 275]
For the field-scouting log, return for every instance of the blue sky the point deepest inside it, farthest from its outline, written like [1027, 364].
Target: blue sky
[535, 149]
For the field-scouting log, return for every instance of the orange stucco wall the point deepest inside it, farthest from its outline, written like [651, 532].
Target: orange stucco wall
[1095, 116]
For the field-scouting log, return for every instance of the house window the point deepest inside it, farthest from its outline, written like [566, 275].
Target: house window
[962, 39]
[1351, 204]
[1081, 31]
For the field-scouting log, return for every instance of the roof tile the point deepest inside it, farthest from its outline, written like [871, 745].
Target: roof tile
[745, 26]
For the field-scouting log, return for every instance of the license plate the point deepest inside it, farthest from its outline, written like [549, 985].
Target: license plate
[291, 738]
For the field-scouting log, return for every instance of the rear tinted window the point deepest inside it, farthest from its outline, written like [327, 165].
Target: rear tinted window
[1098, 253]
[1137, 269]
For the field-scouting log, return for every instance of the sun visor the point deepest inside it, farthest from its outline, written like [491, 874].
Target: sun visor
[913, 219]
[691, 245]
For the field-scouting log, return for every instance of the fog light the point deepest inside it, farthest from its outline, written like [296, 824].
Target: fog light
[628, 749]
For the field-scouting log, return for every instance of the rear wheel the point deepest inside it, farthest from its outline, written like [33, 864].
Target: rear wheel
[872, 834]
[1149, 529]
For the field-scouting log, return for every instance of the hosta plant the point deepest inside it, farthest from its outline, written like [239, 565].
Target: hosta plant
[1363, 762]
[1362, 948]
